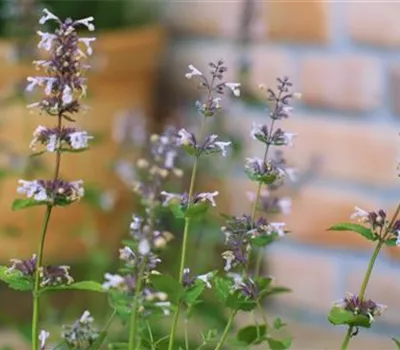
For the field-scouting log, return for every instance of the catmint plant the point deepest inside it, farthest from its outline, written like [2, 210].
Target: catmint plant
[64, 85]
[355, 310]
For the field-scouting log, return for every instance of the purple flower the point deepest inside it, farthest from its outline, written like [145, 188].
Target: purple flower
[81, 334]
[43, 336]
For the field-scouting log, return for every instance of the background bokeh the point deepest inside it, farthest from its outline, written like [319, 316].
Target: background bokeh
[343, 57]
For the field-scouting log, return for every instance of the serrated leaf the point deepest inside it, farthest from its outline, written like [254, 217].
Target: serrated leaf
[360, 229]
[26, 203]
[338, 316]
[196, 210]
[223, 288]
[168, 285]
[278, 324]
[177, 210]
[391, 242]
[237, 301]
[191, 295]
[397, 342]
[90, 286]
[252, 334]
[15, 279]
[262, 241]
[276, 344]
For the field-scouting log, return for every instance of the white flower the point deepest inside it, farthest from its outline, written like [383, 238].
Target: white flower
[47, 16]
[126, 254]
[193, 71]
[136, 223]
[43, 336]
[87, 42]
[78, 185]
[46, 40]
[234, 87]
[165, 307]
[360, 214]
[186, 137]
[86, 318]
[33, 82]
[289, 138]
[229, 257]
[237, 279]
[79, 139]
[49, 85]
[206, 278]
[32, 189]
[398, 238]
[278, 228]
[67, 95]
[256, 130]
[222, 146]
[112, 281]
[168, 197]
[170, 159]
[144, 247]
[208, 196]
[86, 22]
[52, 143]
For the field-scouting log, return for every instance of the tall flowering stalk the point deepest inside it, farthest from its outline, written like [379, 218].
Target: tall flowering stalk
[189, 203]
[64, 86]
[355, 310]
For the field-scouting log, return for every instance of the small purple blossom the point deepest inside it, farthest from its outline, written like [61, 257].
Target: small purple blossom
[81, 334]
[183, 199]
[43, 336]
[52, 191]
[56, 138]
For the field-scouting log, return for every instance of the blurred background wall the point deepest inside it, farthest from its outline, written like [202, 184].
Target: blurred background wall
[343, 58]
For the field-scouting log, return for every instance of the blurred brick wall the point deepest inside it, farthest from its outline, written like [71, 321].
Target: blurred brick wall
[343, 57]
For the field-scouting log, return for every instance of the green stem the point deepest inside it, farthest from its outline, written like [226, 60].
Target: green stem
[226, 331]
[347, 338]
[368, 273]
[133, 320]
[36, 296]
[184, 244]
[186, 335]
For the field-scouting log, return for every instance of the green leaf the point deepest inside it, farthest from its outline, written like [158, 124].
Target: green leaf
[360, 229]
[223, 287]
[278, 324]
[252, 334]
[176, 209]
[237, 301]
[90, 286]
[338, 316]
[262, 241]
[15, 279]
[391, 242]
[192, 294]
[196, 210]
[397, 342]
[26, 203]
[168, 285]
[276, 344]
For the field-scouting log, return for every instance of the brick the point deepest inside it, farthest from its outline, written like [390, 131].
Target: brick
[314, 210]
[308, 291]
[297, 21]
[266, 65]
[351, 82]
[374, 23]
[205, 17]
[348, 149]
[383, 287]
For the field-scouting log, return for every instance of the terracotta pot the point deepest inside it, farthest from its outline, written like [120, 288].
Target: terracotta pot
[130, 61]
